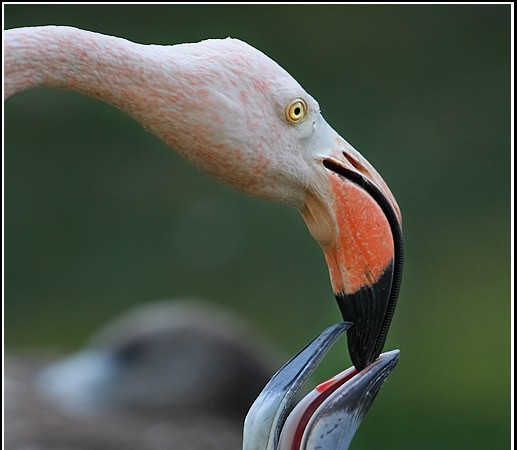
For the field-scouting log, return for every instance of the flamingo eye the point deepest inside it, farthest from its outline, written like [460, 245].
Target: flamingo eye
[296, 110]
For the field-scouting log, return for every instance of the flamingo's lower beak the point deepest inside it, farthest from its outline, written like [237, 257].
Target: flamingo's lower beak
[327, 417]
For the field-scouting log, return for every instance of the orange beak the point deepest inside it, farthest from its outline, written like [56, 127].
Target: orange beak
[358, 224]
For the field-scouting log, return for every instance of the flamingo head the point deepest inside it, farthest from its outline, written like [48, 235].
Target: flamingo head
[248, 122]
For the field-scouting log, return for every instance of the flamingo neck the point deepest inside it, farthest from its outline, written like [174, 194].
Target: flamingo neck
[65, 57]
[151, 83]
[197, 98]
[104, 67]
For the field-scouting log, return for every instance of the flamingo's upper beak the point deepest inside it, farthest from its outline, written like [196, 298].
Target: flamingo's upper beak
[327, 417]
[357, 221]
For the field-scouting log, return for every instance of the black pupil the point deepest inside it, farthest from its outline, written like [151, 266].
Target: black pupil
[297, 111]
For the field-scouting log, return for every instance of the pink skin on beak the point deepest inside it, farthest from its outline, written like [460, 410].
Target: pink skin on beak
[364, 245]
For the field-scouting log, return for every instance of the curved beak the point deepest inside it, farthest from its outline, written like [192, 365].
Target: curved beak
[266, 416]
[327, 417]
[79, 383]
[357, 221]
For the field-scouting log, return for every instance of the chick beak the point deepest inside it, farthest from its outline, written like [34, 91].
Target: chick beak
[267, 415]
[328, 416]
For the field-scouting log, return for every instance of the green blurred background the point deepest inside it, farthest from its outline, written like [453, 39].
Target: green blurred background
[100, 215]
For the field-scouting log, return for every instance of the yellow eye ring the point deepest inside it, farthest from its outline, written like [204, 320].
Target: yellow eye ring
[296, 110]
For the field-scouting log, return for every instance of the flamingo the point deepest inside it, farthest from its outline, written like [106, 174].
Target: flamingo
[237, 115]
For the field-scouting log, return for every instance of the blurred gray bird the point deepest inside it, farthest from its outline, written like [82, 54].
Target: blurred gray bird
[166, 375]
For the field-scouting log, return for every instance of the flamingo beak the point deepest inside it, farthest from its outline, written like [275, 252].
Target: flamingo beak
[327, 417]
[366, 261]
[358, 224]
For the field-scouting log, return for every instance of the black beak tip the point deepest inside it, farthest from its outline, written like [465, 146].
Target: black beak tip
[370, 309]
